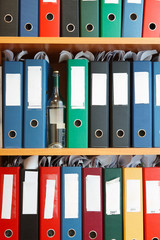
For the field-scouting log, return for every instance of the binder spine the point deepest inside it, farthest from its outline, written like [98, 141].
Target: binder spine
[9, 16]
[29, 18]
[120, 110]
[99, 114]
[12, 111]
[70, 18]
[29, 223]
[89, 18]
[71, 227]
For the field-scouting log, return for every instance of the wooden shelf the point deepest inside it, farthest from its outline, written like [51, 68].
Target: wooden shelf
[77, 44]
[80, 151]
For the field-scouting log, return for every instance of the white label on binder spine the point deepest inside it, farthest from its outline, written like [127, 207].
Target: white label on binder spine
[120, 88]
[93, 193]
[113, 197]
[99, 89]
[7, 196]
[49, 200]
[53, 1]
[35, 87]
[141, 84]
[133, 196]
[153, 196]
[158, 90]
[78, 87]
[111, 1]
[13, 89]
[30, 193]
[134, 1]
[71, 195]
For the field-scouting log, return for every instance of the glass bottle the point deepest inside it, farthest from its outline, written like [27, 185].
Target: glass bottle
[56, 116]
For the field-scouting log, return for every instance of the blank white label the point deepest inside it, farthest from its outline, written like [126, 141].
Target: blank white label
[78, 87]
[153, 196]
[133, 196]
[134, 1]
[7, 196]
[56, 115]
[71, 195]
[157, 90]
[141, 82]
[13, 89]
[30, 193]
[93, 193]
[49, 200]
[111, 1]
[53, 1]
[113, 197]
[99, 89]
[120, 88]
[35, 87]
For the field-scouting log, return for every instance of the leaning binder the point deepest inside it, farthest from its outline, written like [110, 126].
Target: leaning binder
[132, 18]
[151, 22]
[12, 104]
[142, 104]
[77, 104]
[113, 211]
[151, 189]
[49, 18]
[132, 203]
[92, 203]
[50, 218]
[120, 104]
[156, 104]
[70, 18]
[110, 18]
[9, 202]
[35, 103]
[71, 203]
[29, 18]
[99, 105]
[89, 18]
[9, 17]
[29, 211]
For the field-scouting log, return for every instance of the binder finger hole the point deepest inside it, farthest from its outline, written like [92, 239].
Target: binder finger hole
[28, 27]
[141, 133]
[98, 133]
[49, 16]
[8, 18]
[12, 134]
[34, 123]
[92, 235]
[152, 26]
[89, 27]
[77, 123]
[71, 233]
[120, 133]
[50, 233]
[70, 27]
[8, 233]
[111, 17]
[155, 238]
[133, 16]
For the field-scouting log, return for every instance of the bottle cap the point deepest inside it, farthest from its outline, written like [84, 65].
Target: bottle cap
[55, 72]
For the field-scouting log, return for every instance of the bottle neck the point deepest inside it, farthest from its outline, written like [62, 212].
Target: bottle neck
[56, 85]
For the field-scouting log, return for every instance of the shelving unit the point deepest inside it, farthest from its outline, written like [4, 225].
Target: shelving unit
[53, 46]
